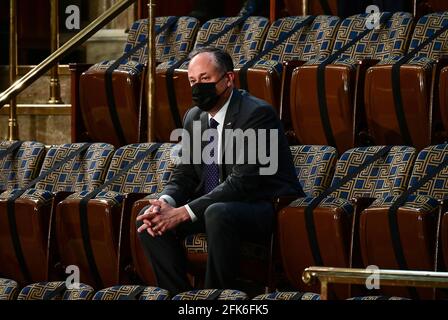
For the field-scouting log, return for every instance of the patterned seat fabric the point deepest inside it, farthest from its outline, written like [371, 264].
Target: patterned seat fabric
[8, 289]
[425, 27]
[416, 221]
[82, 173]
[109, 210]
[342, 76]
[130, 292]
[333, 217]
[206, 294]
[416, 87]
[306, 44]
[242, 42]
[389, 40]
[288, 296]
[55, 291]
[172, 44]
[148, 176]
[18, 169]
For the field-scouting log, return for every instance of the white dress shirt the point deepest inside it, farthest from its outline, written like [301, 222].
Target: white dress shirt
[219, 117]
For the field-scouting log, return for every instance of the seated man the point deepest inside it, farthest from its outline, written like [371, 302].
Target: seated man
[223, 187]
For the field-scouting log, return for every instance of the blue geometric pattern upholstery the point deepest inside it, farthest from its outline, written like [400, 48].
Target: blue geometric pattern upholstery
[8, 289]
[84, 172]
[386, 176]
[172, 44]
[205, 294]
[132, 292]
[242, 43]
[78, 174]
[56, 290]
[391, 39]
[425, 27]
[306, 44]
[314, 167]
[18, 169]
[288, 296]
[148, 176]
[426, 198]
[84, 292]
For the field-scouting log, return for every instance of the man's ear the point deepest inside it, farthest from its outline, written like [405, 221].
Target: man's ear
[231, 76]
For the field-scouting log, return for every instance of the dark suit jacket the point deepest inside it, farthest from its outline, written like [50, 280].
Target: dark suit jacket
[239, 182]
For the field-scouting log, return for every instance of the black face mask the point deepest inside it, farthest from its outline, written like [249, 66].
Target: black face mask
[204, 94]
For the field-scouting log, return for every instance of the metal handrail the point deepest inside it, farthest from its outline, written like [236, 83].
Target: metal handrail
[24, 82]
[405, 278]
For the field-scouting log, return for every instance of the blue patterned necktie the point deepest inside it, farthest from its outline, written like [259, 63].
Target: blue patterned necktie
[211, 171]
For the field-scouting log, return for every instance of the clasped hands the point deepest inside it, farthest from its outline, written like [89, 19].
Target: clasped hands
[160, 217]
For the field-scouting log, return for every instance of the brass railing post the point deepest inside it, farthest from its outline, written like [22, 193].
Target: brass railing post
[13, 127]
[304, 7]
[55, 86]
[151, 69]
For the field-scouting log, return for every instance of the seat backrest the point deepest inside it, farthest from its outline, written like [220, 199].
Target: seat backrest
[21, 167]
[55, 290]
[206, 294]
[172, 44]
[306, 44]
[148, 176]
[390, 39]
[128, 292]
[314, 166]
[427, 160]
[386, 176]
[425, 27]
[242, 42]
[9, 289]
[84, 172]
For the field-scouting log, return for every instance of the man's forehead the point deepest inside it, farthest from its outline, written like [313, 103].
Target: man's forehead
[204, 62]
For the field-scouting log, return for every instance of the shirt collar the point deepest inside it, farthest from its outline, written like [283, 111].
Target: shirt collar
[220, 116]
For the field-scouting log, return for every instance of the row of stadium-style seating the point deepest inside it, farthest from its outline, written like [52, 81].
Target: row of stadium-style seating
[324, 94]
[49, 226]
[57, 290]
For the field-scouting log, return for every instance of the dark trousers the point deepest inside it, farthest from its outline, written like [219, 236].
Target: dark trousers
[226, 225]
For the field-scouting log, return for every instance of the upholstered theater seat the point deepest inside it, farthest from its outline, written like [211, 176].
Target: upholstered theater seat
[421, 123]
[113, 115]
[9, 289]
[211, 294]
[328, 233]
[55, 291]
[413, 227]
[314, 40]
[27, 247]
[288, 296]
[328, 109]
[105, 233]
[128, 292]
[242, 42]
